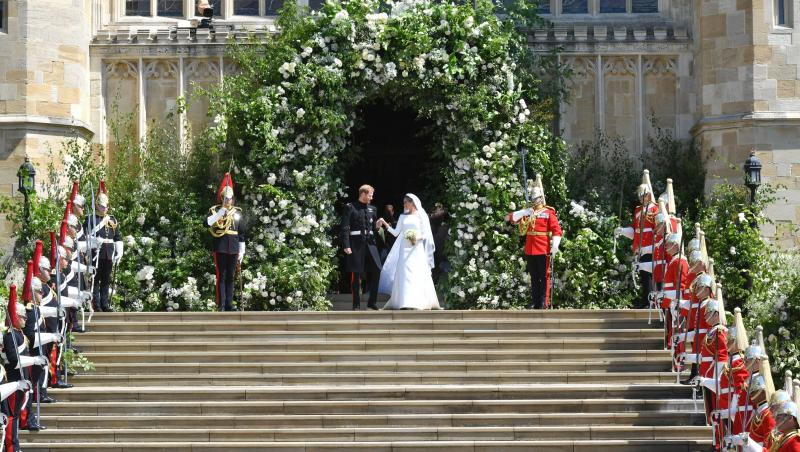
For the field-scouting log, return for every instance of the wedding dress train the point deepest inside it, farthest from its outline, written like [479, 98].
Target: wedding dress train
[406, 274]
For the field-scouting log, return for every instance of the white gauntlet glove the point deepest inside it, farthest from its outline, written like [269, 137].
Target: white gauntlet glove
[213, 218]
[118, 248]
[554, 247]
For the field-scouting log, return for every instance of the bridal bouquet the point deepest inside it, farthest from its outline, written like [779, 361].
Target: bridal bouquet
[411, 236]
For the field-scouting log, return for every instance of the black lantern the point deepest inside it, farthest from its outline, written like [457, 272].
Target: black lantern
[26, 176]
[752, 174]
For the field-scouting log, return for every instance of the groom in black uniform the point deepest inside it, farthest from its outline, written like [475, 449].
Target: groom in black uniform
[359, 242]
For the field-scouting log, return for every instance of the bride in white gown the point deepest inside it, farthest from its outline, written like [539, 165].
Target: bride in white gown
[406, 274]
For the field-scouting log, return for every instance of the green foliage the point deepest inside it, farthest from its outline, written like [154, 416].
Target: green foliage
[588, 272]
[75, 160]
[733, 237]
[160, 194]
[287, 117]
[604, 170]
[777, 309]
[75, 361]
[682, 161]
[606, 167]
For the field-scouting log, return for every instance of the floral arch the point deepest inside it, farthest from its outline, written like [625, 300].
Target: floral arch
[289, 112]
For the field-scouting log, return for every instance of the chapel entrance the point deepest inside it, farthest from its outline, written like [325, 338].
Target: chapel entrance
[392, 150]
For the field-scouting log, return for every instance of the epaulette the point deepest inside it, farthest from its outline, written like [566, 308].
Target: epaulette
[712, 333]
[29, 306]
[551, 208]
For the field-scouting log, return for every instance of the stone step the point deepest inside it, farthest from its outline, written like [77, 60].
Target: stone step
[419, 344]
[382, 325]
[678, 445]
[418, 433]
[375, 392]
[330, 378]
[377, 420]
[333, 315]
[648, 364]
[376, 336]
[310, 407]
[257, 356]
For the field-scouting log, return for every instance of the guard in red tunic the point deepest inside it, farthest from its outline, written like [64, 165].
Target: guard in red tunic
[227, 228]
[690, 308]
[676, 283]
[714, 371]
[539, 224]
[641, 231]
[759, 420]
[786, 420]
[666, 222]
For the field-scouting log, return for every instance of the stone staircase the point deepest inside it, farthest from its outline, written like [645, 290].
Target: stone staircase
[562, 380]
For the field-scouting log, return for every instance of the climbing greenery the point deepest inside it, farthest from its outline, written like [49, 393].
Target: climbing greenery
[285, 121]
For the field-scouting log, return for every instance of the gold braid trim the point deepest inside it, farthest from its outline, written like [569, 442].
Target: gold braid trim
[223, 226]
[781, 440]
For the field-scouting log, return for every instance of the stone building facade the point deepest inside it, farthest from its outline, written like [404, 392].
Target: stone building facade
[723, 71]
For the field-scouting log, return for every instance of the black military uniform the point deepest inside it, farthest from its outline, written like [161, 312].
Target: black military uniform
[229, 237]
[15, 346]
[37, 373]
[106, 232]
[360, 234]
[54, 325]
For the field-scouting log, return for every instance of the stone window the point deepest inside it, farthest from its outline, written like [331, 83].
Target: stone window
[187, 9]
[628, 6]
[543, 6]
[574, 6]
[170, 8]
[257, 7]
[596, 7]
[783, 13]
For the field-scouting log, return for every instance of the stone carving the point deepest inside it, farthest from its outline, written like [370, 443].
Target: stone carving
[660, 66]
[121, 69]
[620, 66]
[161, 69]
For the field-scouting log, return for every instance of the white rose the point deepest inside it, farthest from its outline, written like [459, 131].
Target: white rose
[300, 112]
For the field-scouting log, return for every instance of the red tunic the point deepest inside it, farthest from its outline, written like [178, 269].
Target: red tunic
[713, 350]
[647, 226]
[790, 442]
[677, 273]
[540, 230]
[660, 257]
[761, 426]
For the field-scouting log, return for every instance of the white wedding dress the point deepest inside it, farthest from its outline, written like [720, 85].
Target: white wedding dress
[406, 274]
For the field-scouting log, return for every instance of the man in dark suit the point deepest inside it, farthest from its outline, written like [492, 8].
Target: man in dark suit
[359, 236]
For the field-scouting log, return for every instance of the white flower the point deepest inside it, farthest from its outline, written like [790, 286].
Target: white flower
[732, 250]
[341, 16]
[241, 142]
[146, 273]
[300, 112]
[741, 217]
[576, 209]
[140, 219]
[271, 179]
[163, 220]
